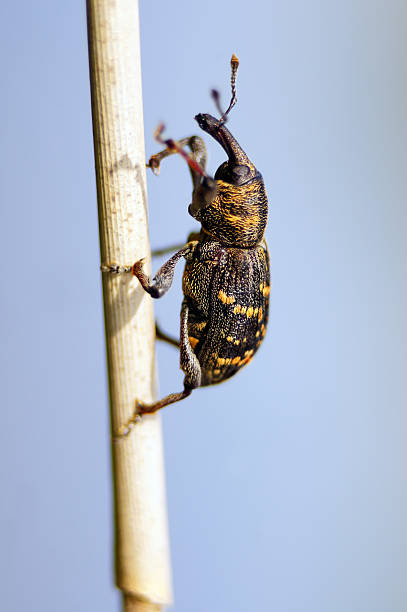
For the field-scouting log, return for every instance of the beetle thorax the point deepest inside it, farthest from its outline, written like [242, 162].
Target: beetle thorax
[238, 215]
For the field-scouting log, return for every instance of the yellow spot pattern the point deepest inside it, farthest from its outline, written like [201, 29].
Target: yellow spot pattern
[193, 341]
[237, 309]
[224, 361]
[226, 299]
[200, 326]
[237, 361]
[248, 311]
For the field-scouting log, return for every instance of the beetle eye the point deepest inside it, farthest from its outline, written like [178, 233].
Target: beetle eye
[241, 172]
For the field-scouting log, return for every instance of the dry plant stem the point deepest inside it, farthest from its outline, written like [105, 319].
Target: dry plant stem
[141, 534]
[135, 605]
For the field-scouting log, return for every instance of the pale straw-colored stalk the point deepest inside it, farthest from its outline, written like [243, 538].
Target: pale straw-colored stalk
[141, 534]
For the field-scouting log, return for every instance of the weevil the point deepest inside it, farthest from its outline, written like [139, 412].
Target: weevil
[226, 280]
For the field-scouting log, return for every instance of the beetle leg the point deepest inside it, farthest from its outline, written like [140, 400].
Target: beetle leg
[188, 360]
[189, 364]
[160, 335]
[142, 408]
[198, 154]
[162, 281]
[166, 250]
[176, 247]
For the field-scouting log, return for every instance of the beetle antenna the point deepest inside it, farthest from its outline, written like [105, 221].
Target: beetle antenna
[172, 145]
[234, 64]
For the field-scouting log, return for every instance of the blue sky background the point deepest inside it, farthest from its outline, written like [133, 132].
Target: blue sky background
[287, 485]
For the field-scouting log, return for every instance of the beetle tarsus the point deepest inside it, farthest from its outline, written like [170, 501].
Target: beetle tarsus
[126, 429]
[114, 268]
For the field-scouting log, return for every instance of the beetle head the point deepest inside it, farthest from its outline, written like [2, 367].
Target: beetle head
[238, 170]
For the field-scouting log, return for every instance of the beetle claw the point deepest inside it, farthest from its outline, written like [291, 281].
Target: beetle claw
[125, 430]
[114, 268]
[154, 164]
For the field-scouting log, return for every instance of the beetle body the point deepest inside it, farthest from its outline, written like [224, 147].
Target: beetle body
[226, 281]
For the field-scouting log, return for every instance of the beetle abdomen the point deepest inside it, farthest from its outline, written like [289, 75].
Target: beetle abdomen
[229, 314]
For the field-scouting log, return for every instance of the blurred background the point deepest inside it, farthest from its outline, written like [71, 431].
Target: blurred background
[287, 485]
